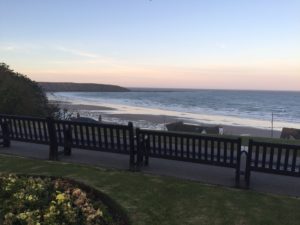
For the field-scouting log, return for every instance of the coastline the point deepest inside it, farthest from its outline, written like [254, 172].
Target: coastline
[151, 121]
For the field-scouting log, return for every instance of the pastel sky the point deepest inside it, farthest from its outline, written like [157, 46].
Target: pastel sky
[232, 44]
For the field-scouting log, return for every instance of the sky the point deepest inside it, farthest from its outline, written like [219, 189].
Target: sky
[232, 44]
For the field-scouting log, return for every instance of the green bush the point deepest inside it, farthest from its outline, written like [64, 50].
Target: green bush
[21, 96]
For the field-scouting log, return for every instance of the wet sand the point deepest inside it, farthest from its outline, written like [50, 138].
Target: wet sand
[76, 107]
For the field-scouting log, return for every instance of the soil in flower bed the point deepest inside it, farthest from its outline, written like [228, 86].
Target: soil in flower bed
[50, 201]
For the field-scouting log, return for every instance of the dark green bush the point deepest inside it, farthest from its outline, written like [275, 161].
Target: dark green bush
[21, 96]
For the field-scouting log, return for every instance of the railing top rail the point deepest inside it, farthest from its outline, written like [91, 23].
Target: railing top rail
[275, 145]
[21, 117]
[190, 135]
[116, 126]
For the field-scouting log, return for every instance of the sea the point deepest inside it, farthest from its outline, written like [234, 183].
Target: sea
[228, 107]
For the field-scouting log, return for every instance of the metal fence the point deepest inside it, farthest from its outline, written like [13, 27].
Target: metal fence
[142, 144]
[265, 157]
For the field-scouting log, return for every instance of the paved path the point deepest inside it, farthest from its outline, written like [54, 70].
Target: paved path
[204, 173]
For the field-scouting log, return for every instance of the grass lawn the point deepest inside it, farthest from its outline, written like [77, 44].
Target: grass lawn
[155, 200]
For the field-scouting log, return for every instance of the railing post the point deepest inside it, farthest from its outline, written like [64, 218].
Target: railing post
[68, 141]
[53, 146]
[238, 163]
[147, 149]
[248, 164]
[5, 134]
[132, 148]
[139, 149]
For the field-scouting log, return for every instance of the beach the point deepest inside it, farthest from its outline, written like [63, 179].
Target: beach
[243, 113]
[150, 121]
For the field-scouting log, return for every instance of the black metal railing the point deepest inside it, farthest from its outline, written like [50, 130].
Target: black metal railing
[142, 144]
[202, 149]
[68, 134]
[4, 134]
[94, 136]
[27, 129]
[282, 159]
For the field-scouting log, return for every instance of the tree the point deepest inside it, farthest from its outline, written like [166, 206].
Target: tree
[21, 96]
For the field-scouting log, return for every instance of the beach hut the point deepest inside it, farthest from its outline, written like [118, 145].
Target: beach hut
[290, 133]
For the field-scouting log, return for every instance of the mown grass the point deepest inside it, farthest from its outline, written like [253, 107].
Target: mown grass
[159, 200]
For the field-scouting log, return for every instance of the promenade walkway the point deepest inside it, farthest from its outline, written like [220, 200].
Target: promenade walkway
[183, 170]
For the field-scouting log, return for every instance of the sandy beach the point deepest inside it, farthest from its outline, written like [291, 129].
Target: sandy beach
[110, 114]
[78, 107]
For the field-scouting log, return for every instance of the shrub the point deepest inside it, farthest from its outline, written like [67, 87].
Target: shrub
[21, 96]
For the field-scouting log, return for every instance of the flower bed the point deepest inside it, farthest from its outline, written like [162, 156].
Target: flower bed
[49, 201]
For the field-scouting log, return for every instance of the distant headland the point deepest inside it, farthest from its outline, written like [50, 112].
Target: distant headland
[80, 87]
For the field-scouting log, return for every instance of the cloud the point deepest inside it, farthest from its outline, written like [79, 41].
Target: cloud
[221, 45]
[77, 52]
[86, 57]
[40, 47]
[20, 47]
[8, 48]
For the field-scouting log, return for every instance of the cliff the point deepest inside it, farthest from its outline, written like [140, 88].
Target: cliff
[80, 87]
